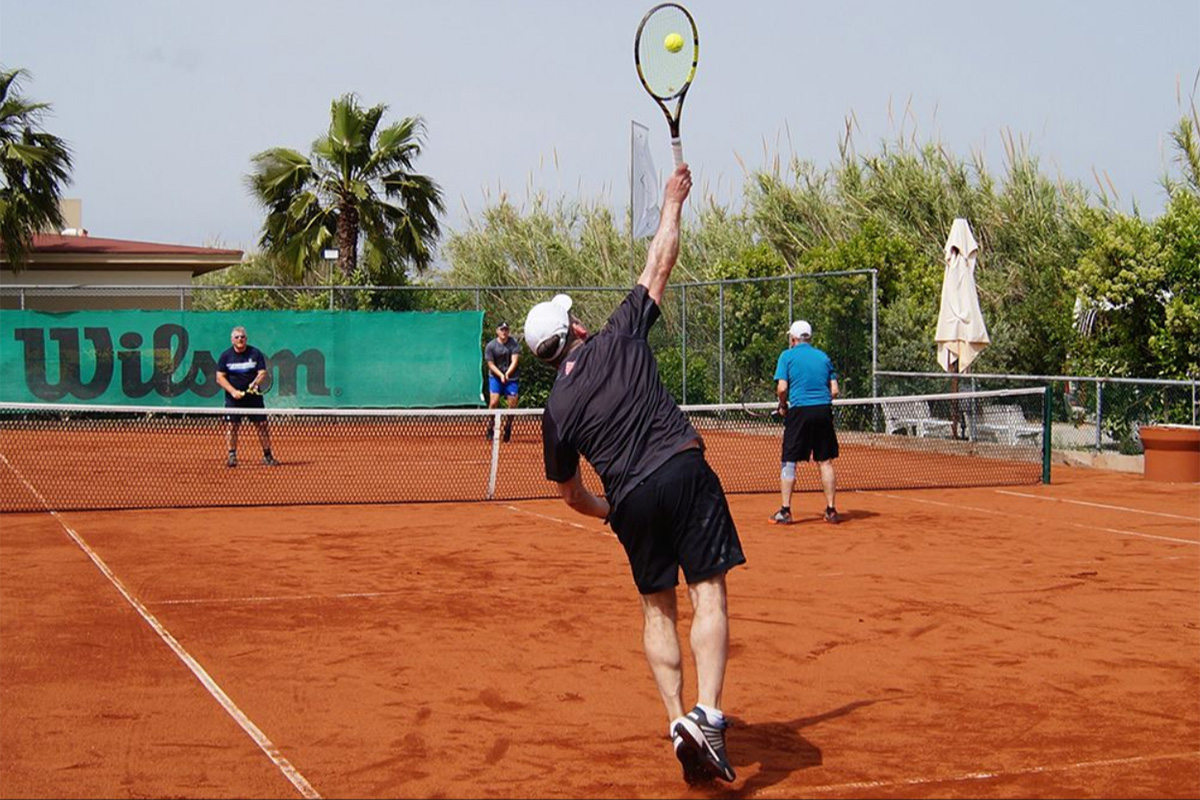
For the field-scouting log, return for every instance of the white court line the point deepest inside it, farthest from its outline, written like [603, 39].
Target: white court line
[266, 745]
[1192, 542]
[980, 776]
[1098, 505]
[199, 601]
[560, 521]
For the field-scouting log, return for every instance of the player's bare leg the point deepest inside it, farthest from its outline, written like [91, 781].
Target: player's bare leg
[493, 401]
[829, 485]
[508, 421]
[660, 639]
[231, 441]
[710, 638]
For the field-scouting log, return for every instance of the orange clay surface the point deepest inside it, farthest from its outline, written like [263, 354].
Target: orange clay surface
[1033, 641]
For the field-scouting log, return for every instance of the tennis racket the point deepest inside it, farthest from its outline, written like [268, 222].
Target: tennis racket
[762, 410]
[255, 390]
[665, 51]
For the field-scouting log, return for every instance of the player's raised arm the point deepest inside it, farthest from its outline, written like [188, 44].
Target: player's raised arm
[664, 248]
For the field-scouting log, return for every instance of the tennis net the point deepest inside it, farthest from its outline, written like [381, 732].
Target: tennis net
[80, 457]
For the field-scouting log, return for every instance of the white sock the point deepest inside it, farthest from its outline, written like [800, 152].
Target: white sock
[714, 714]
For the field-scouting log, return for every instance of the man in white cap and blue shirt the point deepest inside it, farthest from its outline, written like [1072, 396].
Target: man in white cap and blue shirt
[663, 500]
[806, 384]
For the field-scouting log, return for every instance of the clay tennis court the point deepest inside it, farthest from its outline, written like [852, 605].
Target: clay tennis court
[1029, 641]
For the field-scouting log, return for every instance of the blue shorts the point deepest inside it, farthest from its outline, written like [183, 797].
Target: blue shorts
[506, 389]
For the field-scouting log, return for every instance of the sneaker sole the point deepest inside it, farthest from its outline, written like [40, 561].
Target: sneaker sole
[694, 770]
[774, 521]
[693, 738]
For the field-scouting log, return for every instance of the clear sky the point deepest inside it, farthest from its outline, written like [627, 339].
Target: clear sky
[165, 101]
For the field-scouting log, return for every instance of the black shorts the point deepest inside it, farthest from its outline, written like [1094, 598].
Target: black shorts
[808, 430]
[247, 401]
[677, 517]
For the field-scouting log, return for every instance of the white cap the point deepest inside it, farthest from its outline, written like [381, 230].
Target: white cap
[800, 329]
[548, 321]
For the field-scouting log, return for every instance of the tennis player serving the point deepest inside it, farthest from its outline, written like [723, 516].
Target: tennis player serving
[661, 497]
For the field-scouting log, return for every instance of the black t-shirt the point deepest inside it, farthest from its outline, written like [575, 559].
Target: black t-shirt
[241, 368]
[609, 404]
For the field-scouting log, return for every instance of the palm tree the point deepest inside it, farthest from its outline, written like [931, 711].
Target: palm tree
[357, 179]
[34, 167]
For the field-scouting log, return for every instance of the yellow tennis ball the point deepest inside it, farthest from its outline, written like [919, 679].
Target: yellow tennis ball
[673, 42]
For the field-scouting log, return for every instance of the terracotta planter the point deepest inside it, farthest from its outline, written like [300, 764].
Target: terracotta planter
[1172, 453]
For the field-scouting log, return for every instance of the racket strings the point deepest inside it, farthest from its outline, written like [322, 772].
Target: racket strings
[666, 74]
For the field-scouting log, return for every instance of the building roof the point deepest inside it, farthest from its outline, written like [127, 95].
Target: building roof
[83, 253]
[55, 243]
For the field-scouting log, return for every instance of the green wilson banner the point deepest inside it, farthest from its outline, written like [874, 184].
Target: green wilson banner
[317, 359]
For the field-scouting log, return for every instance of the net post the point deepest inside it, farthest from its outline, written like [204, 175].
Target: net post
[1047, 429]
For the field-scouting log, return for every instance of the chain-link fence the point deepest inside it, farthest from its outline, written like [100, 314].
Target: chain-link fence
[1088, 413]
[717, 342]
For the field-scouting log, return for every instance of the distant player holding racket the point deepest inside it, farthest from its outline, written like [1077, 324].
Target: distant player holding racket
[241, 369]
[806, 384]
[664, 502]
[502, 355]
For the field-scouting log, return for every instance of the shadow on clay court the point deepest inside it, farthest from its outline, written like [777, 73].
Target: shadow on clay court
[815, 517]
[853, 514]
[777, 747]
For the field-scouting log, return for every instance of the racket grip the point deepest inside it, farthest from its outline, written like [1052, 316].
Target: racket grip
[677, 150]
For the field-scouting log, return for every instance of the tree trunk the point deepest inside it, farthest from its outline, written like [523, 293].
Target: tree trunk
[347, 238]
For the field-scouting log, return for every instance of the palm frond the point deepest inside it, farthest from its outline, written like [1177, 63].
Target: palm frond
[279, 174]
[356, 180]
[34, 166]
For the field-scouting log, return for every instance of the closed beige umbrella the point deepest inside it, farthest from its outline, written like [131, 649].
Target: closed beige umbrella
[961, 332]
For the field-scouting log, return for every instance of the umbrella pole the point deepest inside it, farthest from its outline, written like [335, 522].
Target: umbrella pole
[954, 418]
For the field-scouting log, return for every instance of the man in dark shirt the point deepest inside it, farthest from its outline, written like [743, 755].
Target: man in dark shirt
[240, 372]
[661, 497]
[501, 356]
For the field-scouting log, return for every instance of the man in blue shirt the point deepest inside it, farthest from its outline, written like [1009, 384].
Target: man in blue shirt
[806, 384]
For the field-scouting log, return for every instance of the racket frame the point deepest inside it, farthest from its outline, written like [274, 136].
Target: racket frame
[672, 118]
